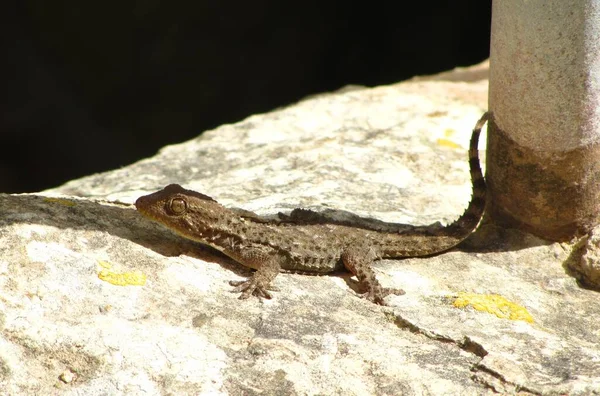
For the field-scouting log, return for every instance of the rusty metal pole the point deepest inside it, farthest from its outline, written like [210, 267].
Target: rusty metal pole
[543, 164]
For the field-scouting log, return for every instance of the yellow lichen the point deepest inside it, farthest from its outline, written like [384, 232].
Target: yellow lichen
[494, 304]
[448, 143]
[61, 201]
[135, 278]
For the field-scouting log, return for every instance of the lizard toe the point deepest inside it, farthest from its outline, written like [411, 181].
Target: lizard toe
[374, 298]
[250, 288]
[397, 292]
[378, 296]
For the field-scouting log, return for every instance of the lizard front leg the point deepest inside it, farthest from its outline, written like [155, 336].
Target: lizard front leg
[358, 260]
[267, 267]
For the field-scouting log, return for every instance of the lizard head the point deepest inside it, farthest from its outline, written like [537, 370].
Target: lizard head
[186, 212]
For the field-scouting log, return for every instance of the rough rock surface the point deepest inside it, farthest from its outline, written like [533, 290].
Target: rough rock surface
[96, 299]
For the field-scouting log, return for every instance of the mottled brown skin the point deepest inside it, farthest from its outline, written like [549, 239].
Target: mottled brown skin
[311, 246]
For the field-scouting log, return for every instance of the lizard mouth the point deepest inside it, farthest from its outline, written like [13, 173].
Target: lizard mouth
[140, 205]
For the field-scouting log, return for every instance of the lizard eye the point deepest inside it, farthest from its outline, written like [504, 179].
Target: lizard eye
[178, 206]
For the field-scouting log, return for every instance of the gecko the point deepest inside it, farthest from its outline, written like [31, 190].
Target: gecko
[308, 243]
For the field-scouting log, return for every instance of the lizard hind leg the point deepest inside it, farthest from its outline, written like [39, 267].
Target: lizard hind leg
[359, 260]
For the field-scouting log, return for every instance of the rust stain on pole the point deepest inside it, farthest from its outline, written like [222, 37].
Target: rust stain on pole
[542, 192]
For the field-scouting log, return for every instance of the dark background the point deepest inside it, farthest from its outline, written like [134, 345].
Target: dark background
[92, 86]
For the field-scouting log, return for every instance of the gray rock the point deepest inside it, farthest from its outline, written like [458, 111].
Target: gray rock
[96, 299]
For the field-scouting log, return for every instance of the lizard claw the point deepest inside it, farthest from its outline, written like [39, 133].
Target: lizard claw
[250, 287]
[377, 296]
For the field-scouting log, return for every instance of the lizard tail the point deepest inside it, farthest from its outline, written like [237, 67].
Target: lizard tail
[470, 219]
[445, 238]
